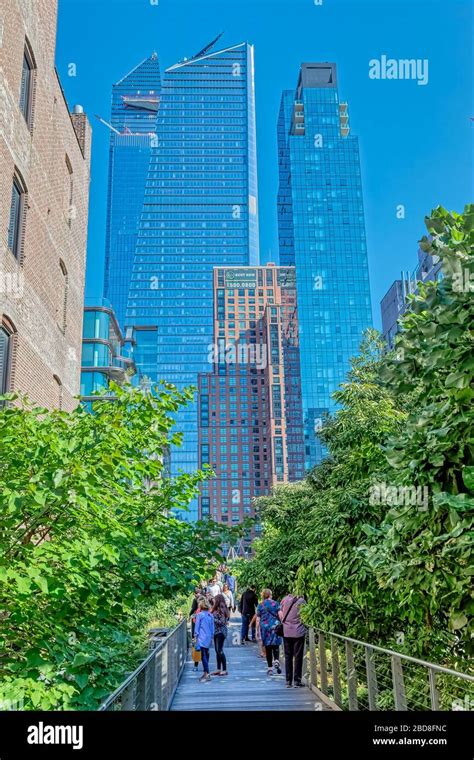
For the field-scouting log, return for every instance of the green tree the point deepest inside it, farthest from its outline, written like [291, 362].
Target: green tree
[89, 542]
[405, 422]
[312, 530]
[425, 555]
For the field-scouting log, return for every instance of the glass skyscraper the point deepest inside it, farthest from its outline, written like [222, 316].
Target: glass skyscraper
[322, 234]
[134, 111]
[199, 211]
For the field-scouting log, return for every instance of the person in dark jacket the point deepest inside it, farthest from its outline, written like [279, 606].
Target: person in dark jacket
[247, 606]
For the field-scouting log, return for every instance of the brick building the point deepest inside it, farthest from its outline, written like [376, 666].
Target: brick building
[250, 410]
[44, 188]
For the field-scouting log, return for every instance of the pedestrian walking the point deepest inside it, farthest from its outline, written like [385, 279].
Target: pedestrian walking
[229, 598]
[194, 612]
[214, 588]
[267, 613]
[232, 584]
[294, 632]
[220, 614]
[247, 606]
[204, 634]
[256, 621]
[194, 608]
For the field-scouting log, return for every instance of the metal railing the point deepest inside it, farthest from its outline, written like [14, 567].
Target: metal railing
[354, 675]
[152, 685]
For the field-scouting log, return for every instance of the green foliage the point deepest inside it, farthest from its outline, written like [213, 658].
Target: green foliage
[313, 529]
[89, 543]
[281, 550]
[369, 569]
[426, 555]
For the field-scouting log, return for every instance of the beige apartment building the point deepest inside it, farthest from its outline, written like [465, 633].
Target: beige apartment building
[250, 416]
[44, 191]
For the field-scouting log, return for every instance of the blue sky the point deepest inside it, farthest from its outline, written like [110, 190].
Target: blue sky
[416, 141]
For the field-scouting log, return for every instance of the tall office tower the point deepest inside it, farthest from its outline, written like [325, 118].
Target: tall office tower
[200, 210]
[250, 412]
[44, 199]
[134, 109]
[322, 234]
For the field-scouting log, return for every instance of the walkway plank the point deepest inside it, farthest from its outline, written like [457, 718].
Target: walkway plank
[247, 687]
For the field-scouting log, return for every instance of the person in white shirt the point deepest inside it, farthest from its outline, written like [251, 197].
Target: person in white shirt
[214, 589]
[228, 596]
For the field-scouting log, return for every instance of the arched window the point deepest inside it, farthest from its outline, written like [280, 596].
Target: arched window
[28, 85]
[62, 307]
[17, 219]
[7, 333]
[60, 392]
[71, 211]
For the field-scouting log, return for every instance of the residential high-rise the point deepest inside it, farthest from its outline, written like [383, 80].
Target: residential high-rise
[250, 413]
[135, 100]
[395, 301]
[200, 210]
[44, 195]
[322, 234]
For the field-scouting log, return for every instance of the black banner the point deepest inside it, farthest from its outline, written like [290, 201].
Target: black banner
[125, 734]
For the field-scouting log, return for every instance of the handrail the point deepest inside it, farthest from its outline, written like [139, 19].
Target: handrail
[355, 675]
[153, 683]
[438, 668]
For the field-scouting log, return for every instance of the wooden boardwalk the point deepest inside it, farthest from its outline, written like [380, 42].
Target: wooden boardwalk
[247, 687]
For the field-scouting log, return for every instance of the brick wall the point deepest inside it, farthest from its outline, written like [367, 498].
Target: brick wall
[41, 293]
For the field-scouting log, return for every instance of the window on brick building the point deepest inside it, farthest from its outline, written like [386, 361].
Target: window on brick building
[60, 392]
[4, 341]
[6, 338]
[17, 217]
[71, 210]
[27, 85]
[62, 306]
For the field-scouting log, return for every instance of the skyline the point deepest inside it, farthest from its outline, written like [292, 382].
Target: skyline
[396, 144]
[167, 485]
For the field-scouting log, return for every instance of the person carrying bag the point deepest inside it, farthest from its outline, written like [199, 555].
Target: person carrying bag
[279, 626]
[294, 633]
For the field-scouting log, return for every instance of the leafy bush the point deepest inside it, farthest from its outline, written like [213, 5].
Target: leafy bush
[397, 575]
[89, 543]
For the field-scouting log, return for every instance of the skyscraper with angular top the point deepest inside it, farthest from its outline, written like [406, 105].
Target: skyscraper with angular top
[322, 234]
[135, 100]
[199, 211]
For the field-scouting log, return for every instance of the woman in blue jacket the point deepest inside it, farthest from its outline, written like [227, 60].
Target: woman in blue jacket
[204, 634]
